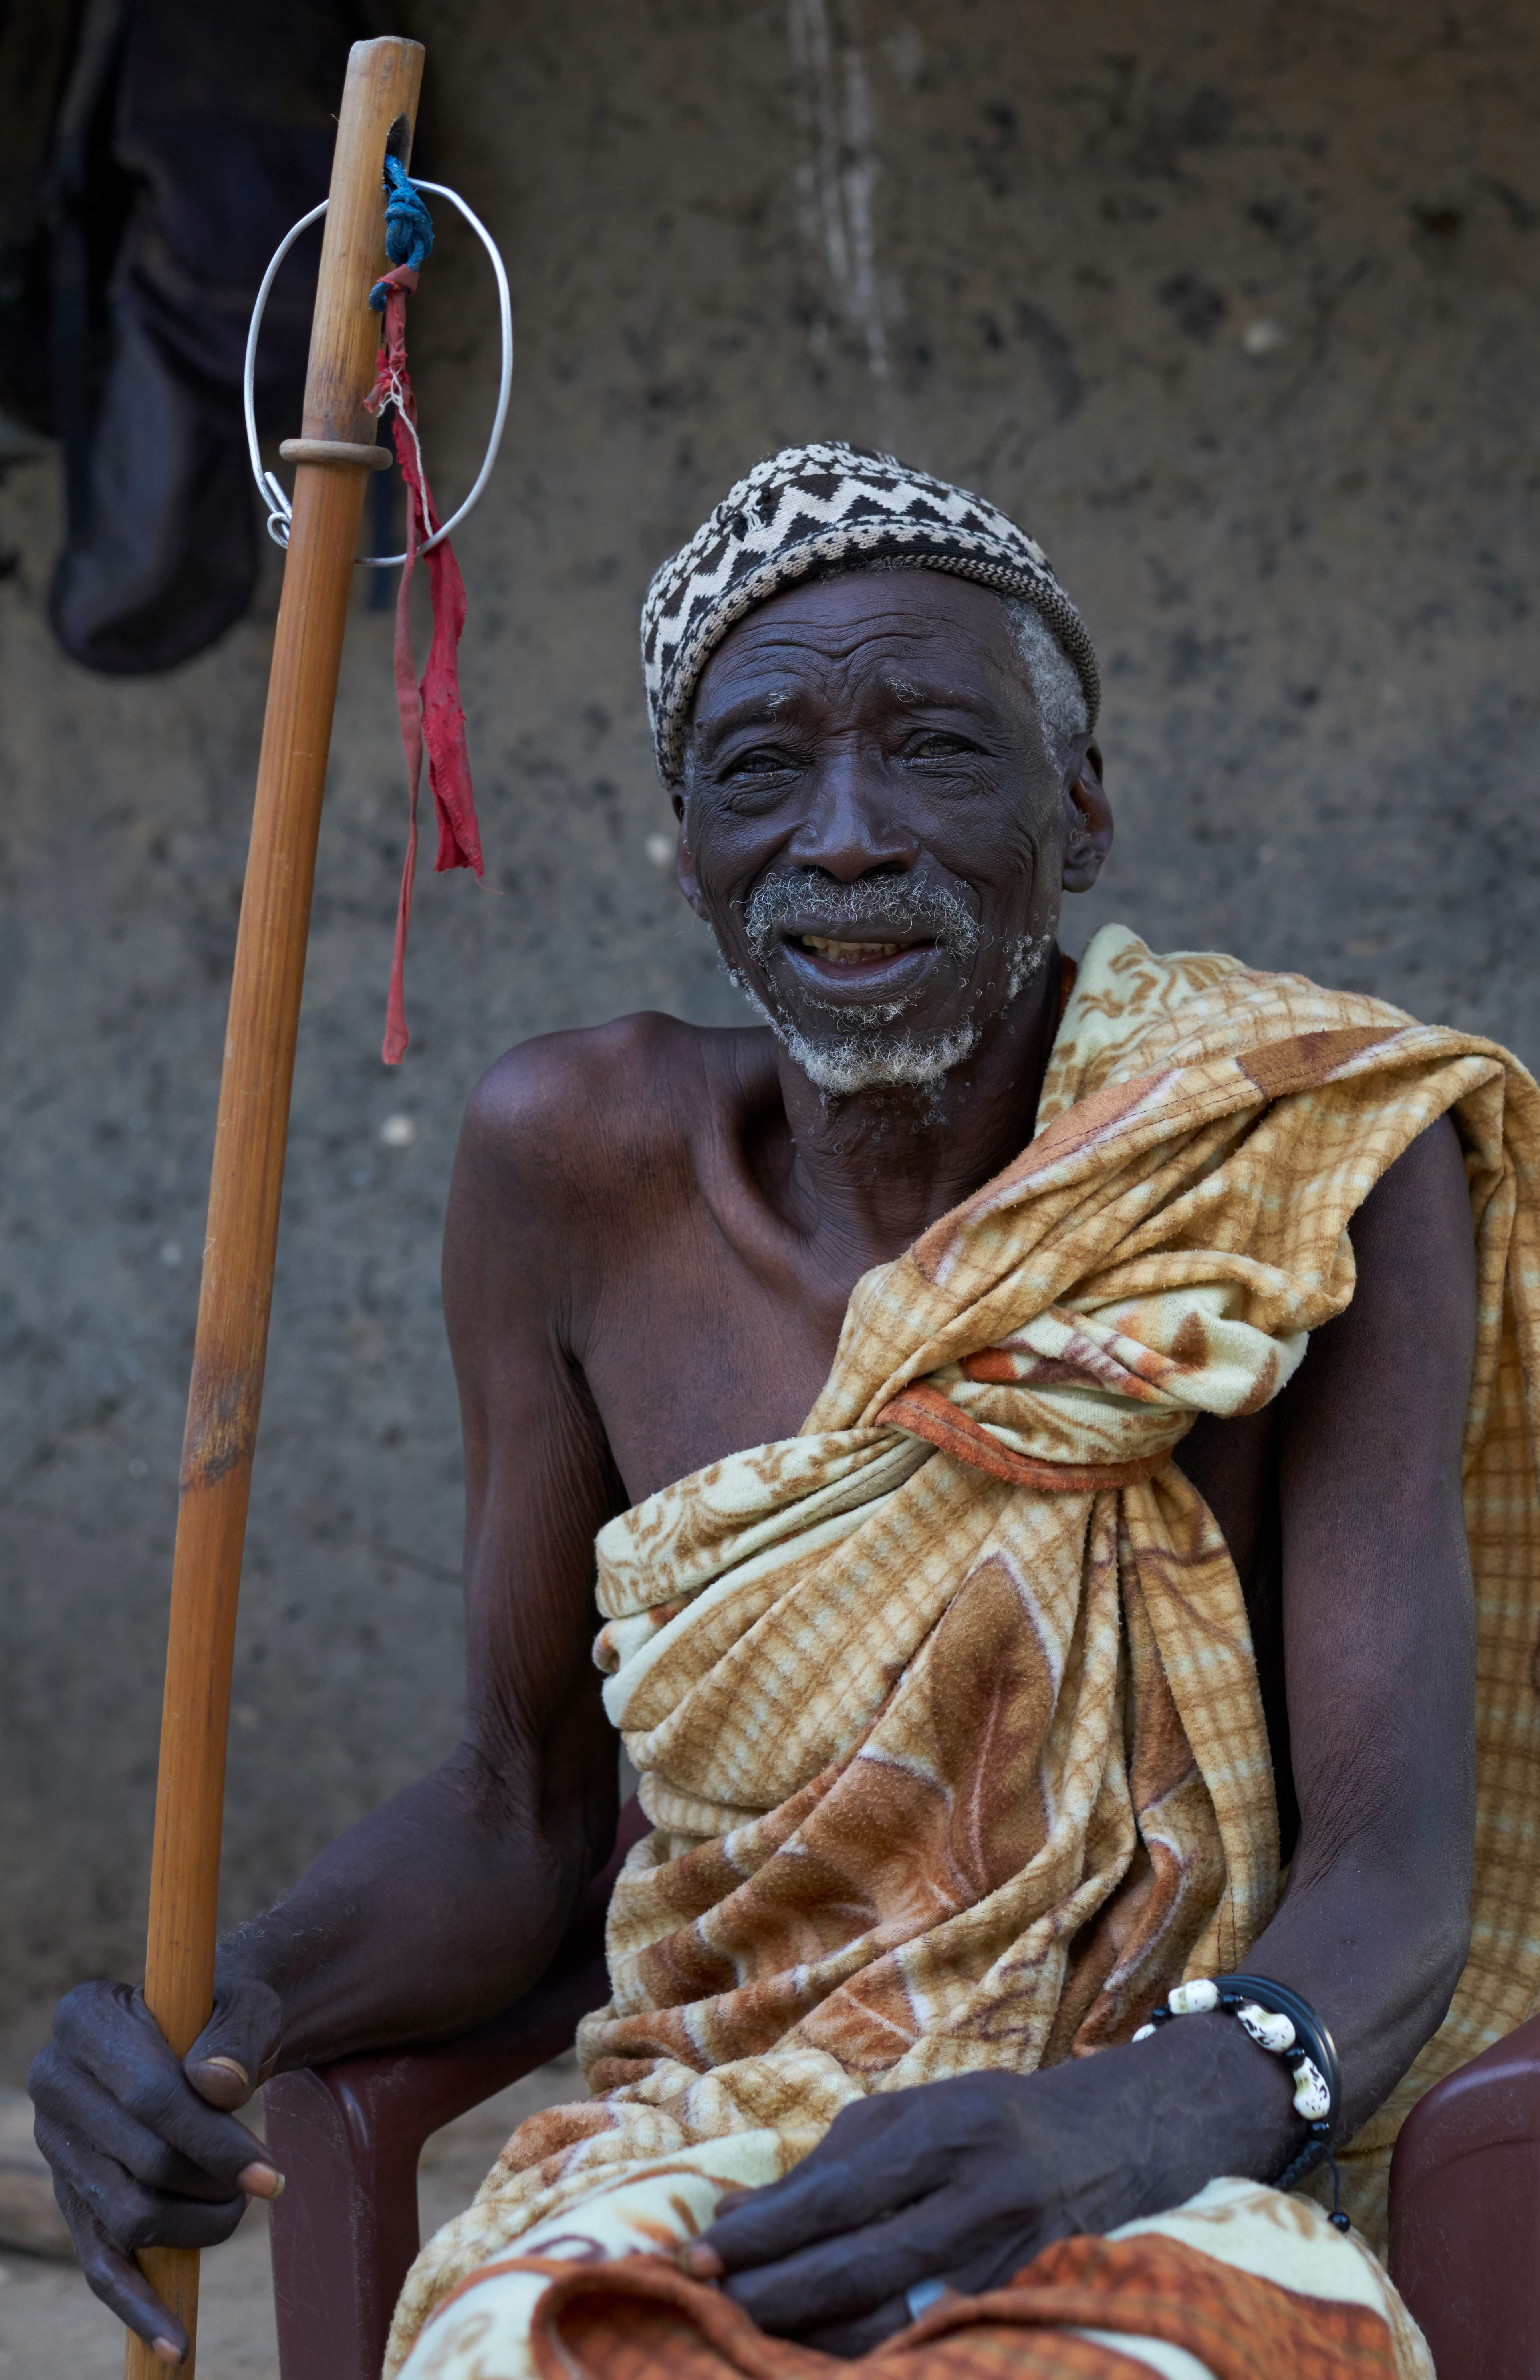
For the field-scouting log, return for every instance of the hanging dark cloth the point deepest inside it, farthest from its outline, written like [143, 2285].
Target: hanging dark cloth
[188, 138]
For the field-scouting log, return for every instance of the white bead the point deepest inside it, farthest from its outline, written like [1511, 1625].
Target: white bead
[1311, 2096]
[1146, 2032]
[1194, 1999]
[1266, 2026]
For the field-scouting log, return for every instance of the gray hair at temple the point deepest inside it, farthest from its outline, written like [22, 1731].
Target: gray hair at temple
[813, 511]
[1063, 711]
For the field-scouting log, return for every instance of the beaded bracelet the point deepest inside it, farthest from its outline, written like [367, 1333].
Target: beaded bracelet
[1280, 2020]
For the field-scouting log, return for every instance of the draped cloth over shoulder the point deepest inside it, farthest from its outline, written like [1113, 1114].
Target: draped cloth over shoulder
[945, 1710]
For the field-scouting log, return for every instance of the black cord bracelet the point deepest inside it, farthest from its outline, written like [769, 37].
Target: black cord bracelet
[1281, 2022]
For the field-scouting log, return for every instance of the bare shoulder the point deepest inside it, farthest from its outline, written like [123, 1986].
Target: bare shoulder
[577, 1114]
[1412, 1240]
[1383, 1392]
[576, 1146]
[1383, 1388]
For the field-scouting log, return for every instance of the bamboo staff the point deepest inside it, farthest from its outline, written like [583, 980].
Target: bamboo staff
[378, 107]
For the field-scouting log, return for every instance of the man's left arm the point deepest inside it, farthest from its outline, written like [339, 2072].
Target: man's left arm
[1379, 1634]
[964, 2181]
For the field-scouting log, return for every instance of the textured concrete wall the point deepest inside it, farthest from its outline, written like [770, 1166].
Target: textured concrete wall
[1235, 306]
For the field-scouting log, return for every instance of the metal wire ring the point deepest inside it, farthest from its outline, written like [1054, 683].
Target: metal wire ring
[280, 510]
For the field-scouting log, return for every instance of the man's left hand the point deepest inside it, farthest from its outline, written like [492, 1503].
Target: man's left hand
[960, 2181]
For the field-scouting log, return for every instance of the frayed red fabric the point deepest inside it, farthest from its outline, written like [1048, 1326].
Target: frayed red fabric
[640, 2318]
[430, 713]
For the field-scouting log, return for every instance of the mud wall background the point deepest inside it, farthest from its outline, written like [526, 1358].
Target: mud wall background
[1235, 306]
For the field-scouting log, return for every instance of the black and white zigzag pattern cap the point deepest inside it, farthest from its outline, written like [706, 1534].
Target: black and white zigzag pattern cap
[814, 509]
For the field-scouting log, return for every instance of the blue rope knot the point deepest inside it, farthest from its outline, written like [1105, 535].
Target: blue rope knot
[408, 226]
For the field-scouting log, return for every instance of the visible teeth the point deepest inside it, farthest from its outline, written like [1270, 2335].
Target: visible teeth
[848, 953]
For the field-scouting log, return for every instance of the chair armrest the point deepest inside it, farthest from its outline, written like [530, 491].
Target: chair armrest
[1465, 2213]
[346, 2138]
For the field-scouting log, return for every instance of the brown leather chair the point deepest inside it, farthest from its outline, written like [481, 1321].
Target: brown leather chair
[1464, 2185]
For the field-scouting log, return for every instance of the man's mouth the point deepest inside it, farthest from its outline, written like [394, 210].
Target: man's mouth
[860, 969]
[868, 952]
[847, 953]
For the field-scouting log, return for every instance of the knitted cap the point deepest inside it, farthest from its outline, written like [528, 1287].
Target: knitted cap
[820, 509]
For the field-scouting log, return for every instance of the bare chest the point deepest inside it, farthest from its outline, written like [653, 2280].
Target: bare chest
[695, 1352]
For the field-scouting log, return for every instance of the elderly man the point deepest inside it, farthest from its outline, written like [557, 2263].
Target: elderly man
[1090, 1619]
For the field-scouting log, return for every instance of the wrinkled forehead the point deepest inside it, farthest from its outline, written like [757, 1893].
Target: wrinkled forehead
[891, 639]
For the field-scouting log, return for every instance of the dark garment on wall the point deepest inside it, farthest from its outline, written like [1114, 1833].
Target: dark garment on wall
[183, 140]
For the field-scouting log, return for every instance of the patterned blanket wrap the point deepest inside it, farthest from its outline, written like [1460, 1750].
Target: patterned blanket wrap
[945, 1710]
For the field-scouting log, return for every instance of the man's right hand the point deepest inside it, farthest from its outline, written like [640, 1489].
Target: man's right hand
[144, 2150]
[439, 1908]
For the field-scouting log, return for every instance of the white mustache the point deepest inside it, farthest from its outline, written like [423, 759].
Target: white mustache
[889, 901]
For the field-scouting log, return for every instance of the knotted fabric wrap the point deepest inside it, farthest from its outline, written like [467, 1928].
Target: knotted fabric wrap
[430, 714]
[945, 1710]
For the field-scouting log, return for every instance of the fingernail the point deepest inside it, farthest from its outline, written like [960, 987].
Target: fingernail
[232, 2066]
[166, 2349]
[261, 2181]
[701, 2262]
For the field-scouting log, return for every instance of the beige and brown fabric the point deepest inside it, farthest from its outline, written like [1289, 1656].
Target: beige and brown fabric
[945, 1710]
[1240, 2284]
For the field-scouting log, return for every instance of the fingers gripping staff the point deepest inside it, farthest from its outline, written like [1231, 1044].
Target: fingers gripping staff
[209, 2156]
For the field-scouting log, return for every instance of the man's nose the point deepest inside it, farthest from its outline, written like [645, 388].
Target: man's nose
[852, 826]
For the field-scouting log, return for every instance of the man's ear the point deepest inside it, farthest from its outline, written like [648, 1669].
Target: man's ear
[684, 863]
[1088, 823]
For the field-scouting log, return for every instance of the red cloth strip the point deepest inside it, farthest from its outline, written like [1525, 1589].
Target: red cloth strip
[432, 716]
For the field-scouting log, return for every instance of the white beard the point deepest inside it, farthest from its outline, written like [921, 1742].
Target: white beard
[872, 1060]
[862, 1062]
[867, 1048]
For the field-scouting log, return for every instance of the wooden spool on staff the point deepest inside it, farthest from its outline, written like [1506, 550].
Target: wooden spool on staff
[379, 109]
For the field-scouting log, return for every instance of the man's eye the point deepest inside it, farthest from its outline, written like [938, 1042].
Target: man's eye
[765, 761]
[939, 747]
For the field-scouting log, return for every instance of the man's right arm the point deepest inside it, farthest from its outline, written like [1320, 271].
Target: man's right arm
[441, 1907]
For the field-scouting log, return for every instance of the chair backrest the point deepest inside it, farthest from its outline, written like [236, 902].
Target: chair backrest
[1465, 2213]
[346, 2138]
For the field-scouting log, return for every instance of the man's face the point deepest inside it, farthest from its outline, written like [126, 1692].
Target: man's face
[873, 825]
